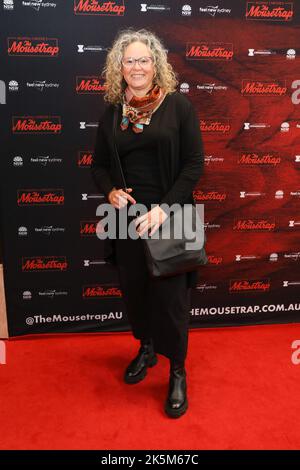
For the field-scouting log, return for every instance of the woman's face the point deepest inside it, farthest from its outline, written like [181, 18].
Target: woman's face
[138, 77]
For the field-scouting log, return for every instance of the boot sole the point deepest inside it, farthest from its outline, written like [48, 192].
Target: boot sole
[139, 377]
[176, 413]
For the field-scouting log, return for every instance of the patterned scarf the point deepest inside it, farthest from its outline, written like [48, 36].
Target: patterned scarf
[139, 111]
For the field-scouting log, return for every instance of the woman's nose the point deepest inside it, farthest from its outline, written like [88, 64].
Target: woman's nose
[137, 65]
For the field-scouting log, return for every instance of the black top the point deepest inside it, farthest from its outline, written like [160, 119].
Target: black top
[178, 141]
[180, 153]
[139, 158]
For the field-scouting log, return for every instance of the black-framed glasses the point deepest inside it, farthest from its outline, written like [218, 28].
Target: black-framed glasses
[144, 62]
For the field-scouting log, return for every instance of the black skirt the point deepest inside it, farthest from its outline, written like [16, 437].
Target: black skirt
[157, 308]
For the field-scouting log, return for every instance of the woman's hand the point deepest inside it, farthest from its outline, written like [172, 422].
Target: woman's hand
[152, 219]
[119, 198]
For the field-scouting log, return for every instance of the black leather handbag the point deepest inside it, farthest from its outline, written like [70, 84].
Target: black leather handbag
[167, 253]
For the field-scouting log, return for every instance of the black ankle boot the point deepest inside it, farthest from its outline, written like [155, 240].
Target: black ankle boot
[137, 369]
[176, 403]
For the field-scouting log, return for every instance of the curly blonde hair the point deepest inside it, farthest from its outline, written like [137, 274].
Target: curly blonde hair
[115, 84]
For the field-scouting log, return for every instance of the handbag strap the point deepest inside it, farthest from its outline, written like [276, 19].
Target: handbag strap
[116, 149]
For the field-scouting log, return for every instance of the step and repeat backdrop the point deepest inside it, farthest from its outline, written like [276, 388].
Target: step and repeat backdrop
[239, 63]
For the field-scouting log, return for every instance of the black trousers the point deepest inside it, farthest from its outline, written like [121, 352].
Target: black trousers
[157, 308]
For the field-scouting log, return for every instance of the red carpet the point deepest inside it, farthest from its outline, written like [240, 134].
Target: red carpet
[66, 392]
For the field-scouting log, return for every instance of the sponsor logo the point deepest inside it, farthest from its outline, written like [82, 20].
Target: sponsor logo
[294, 223]
[13, 85]
[285, 127]
[247, 285]
[205, 286]
[45, 160]
[40, 197]
[255, 225]
[36, 47]
[263, 88]
[208, 159]
[292, 256]
[279, 194]
[209, 51]
[184, 88]
[97, 7]
[87, 85]
[88, 228]
[18, 161]
[84, 158]
[291, 54]
[8, 4]
[222, 126]
[37, 4]
[42, 160]
[244, 194]
[100, 291]
[82, 48]
[87, 263]
[210, 87]
[27, 295]
[254, 52]
[85, 125]
[239, 258]
[209, 196]
[48, 294]
[41, 85]
[49, 230]
[211, 225]
[145, 7]
[273, 257]
[272, 11]
[86, 196]
[36, 125]
[186, 10]
[44, 263]
[258, 158]
[22, 231]
[258, 125]
[52, 293]
[215, 260]
[290, 283]
[214, 10]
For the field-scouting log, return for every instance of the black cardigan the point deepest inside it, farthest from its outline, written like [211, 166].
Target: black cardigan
[180, 153]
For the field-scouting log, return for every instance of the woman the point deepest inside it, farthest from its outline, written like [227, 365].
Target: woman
[160, 148]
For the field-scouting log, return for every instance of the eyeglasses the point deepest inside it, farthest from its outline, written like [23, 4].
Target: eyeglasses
[144, 62]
